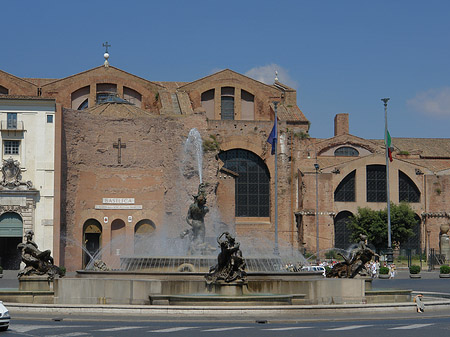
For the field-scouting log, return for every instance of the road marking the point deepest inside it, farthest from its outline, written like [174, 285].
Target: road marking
[71, 334]
[180, 328]
[412, 326]
[120, 328]
[229, 328]
[289, 328]
[22, 328]
[349, 327]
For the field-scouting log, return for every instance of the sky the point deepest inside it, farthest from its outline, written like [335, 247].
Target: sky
[340, 56]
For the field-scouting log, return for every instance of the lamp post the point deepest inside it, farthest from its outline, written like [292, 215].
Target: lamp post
[316, 166]
[389, 254]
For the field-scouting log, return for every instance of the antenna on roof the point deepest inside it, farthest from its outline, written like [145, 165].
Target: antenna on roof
[276, 76]
[106, 54]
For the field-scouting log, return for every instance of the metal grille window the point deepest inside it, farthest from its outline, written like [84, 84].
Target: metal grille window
[341, 230]
[376, 183]
[11, 120]
[11, 147]
[346, 151]
[346, 188]
[252, 189]
[407, 190]
[227, 103]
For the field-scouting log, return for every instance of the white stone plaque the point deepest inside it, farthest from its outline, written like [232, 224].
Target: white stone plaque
[118, 206]
[118, 200]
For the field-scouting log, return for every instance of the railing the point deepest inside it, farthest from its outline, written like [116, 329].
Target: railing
[11, 125]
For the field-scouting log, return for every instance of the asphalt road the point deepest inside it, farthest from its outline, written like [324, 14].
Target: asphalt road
[416, 326]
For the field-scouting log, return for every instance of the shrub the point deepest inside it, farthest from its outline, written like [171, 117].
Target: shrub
[1, 270]
[383, 270]
[211, 144]
[327, 269]
[62, 271]
[444, 269]
[414, 269]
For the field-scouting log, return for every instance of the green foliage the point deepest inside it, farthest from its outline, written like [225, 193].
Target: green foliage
[211, 144]
[374, 225]
[406, 153]
[301, 135]
[1, 269]
[62, 271]
[444, 269]
[383, 270]
[331, 255]
[327, 269]
[414, 269]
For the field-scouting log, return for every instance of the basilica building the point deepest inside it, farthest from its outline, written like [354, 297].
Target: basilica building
[119, 170]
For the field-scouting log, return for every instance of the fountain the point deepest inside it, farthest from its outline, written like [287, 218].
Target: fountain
[179, 277]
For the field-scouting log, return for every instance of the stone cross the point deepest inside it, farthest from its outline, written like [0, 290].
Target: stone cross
[119, 145]
[106, 45]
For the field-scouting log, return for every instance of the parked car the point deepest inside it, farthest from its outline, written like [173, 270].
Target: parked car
[4, 317]
[314, 268]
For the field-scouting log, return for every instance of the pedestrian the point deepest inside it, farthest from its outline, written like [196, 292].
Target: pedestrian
[419, 304]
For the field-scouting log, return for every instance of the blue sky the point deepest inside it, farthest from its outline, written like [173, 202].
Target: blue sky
[341, 56]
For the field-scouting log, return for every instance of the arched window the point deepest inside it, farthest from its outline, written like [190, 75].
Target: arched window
[227, 103]
[142, 231]
[132, 96]
[346, 188]
[247, 106]
[341, 230]
[80, 98]
[208, 103]
[407, 190]
[92, 233]
[346, 151]
[252, 188]
[376, 183]
[118, 238]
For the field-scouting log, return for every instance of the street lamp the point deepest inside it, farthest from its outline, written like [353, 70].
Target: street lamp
[317, 167]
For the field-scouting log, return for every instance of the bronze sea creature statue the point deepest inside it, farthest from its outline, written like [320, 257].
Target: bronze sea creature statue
[230, 265]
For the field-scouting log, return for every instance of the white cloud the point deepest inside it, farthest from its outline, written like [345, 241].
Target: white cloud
[266, 74]
[433, 102]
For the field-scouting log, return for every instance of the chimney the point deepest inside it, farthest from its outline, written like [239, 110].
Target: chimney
[341, 124]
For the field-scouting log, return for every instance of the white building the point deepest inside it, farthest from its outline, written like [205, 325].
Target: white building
[27, 174]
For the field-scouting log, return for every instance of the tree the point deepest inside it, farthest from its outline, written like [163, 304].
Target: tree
[374, 225]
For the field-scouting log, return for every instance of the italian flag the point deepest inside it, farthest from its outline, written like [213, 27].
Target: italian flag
[388, 145]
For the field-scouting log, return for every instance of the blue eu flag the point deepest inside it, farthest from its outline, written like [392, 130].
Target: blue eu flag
[273, 137]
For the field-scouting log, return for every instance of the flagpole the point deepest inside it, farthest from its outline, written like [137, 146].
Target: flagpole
[389, 254]
[275, 249]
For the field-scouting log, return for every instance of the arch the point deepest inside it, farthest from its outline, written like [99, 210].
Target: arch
[92, 240]
[11, 233]
[407, 190]
[207, 101]
[376, 183]
[142, 231]
[80, 98]
[252, 182]
[247, 106]
[346, 151]
[346, 188]
[227, 103]
[118, 238]
[132, 96]
[341, 231]
[3, 90]
[104, 90]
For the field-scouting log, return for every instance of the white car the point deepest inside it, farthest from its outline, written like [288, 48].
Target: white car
[314, 268]
[4, 317]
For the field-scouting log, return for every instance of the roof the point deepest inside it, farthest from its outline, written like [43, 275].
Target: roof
[424, 147]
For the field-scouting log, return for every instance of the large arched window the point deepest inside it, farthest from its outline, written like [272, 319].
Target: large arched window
[376, 183]
[247, 106]
[227, 103]
[346, 188]
[208, 103]
[252, 189]
[407, 190]
[341, 230]
[143, 230]
[80, 98]
[118, 238]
